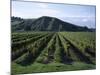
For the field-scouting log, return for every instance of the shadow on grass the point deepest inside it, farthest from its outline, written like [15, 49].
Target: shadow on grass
[78, 53]
[31, 56]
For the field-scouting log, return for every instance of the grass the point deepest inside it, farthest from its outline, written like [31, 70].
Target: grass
[51, 67]
[58, 49]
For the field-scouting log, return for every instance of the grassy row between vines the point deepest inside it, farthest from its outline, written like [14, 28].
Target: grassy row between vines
[52, 51]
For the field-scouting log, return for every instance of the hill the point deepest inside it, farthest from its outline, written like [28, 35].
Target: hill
[44, 23]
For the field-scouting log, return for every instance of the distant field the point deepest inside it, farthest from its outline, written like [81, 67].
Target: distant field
[34, 52]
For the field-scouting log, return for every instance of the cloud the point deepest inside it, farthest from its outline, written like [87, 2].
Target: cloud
[50, 12]
[44, 12]
[42, 5]
[84, 20]
[37, 13]
[16, 13]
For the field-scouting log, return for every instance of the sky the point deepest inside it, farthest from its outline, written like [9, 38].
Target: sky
[82, 15]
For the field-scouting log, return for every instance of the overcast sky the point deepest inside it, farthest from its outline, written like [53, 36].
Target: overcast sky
[77, 14]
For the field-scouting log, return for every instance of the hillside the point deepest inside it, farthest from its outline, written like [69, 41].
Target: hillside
[44, 23]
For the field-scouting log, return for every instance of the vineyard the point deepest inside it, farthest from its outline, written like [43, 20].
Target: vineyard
[34, 52]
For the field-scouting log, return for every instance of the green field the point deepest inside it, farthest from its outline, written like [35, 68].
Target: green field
[35, 52]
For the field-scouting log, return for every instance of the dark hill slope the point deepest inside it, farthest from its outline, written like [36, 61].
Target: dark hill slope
[44, 23]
